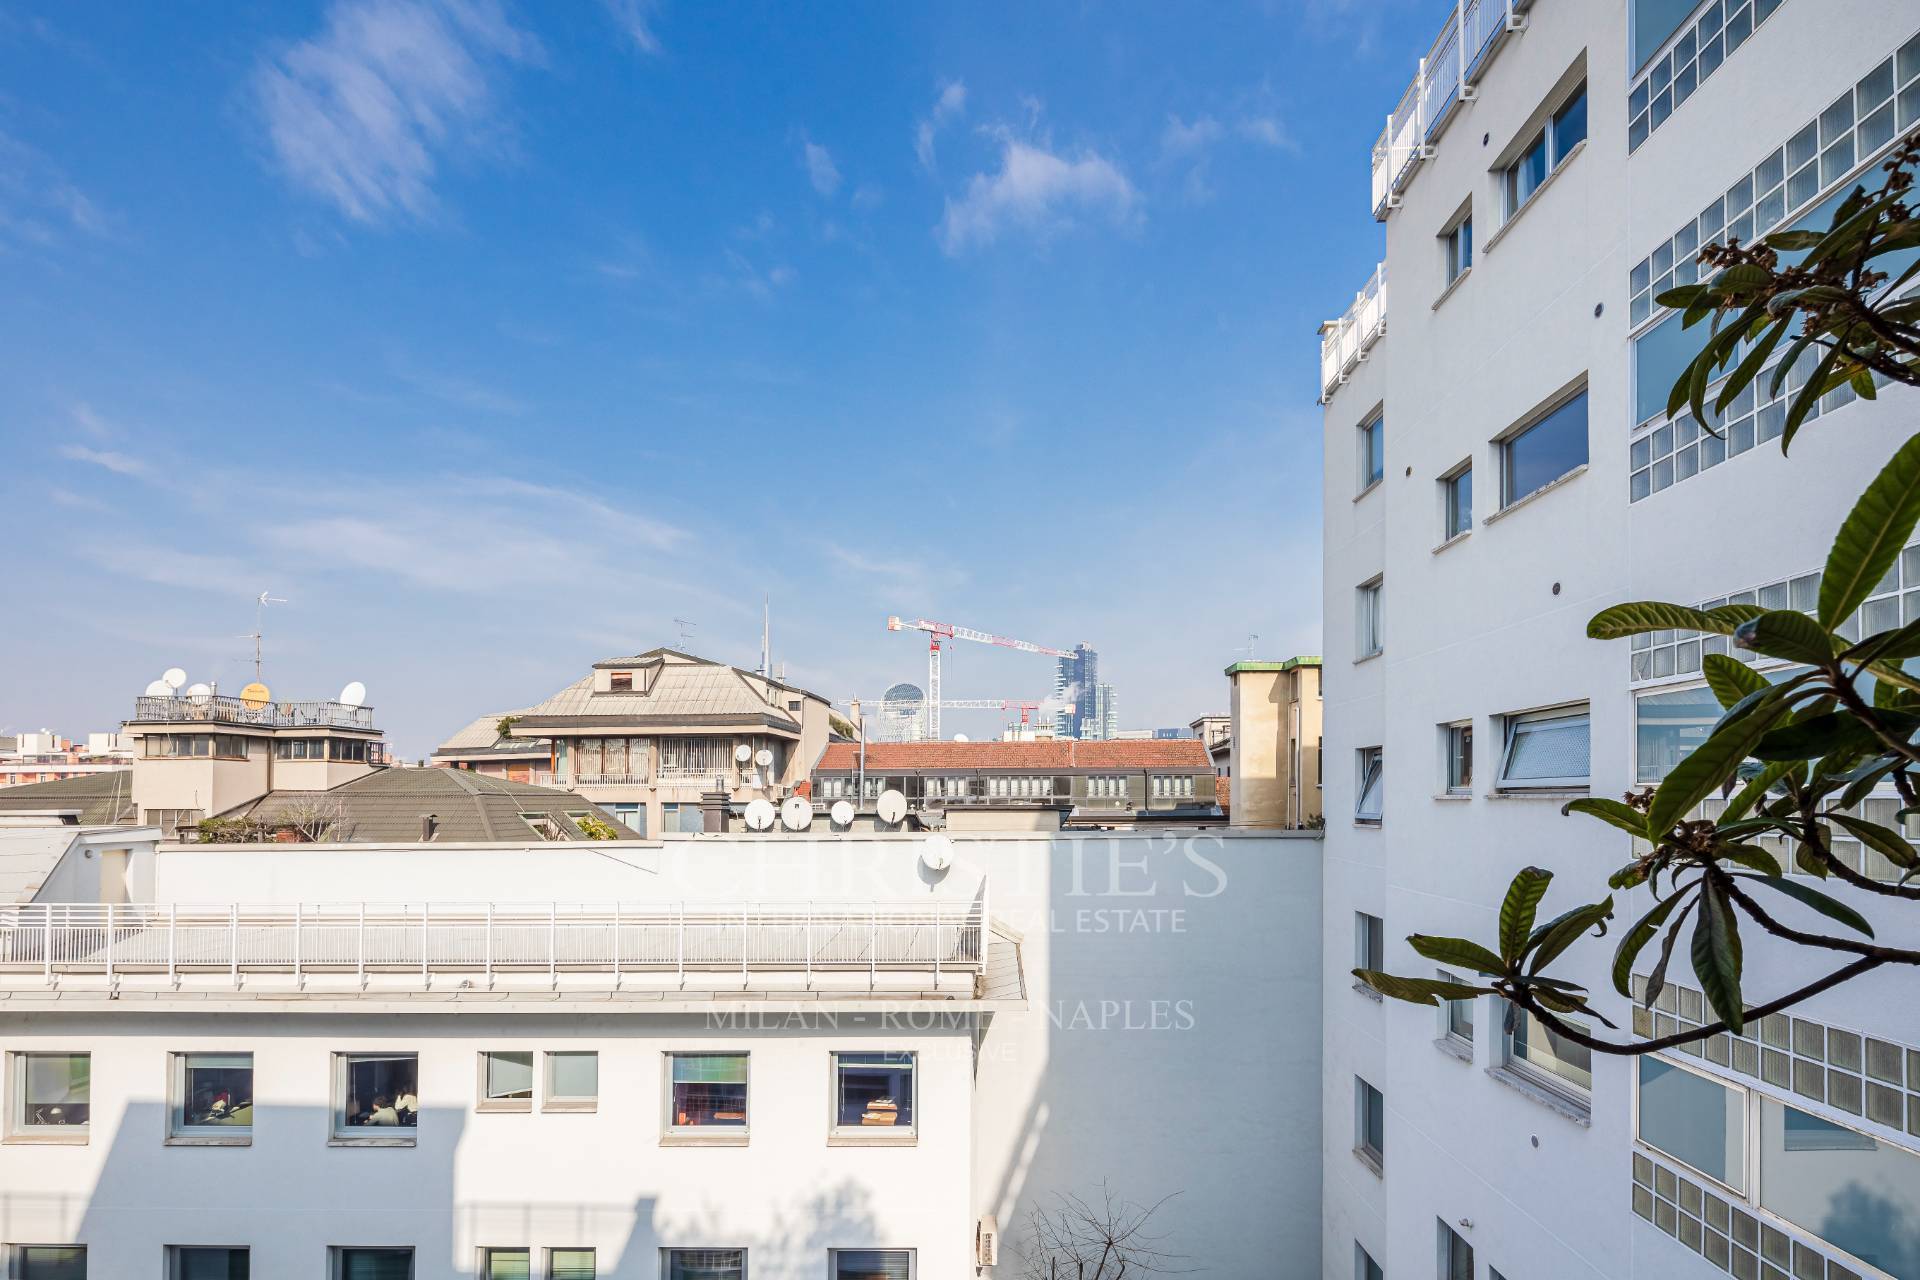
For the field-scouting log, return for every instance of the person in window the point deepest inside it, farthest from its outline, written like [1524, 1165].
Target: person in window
[407, 1105]
[383, 1112]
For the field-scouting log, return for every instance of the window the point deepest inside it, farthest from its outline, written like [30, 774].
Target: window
[706, 1264]
[873, 1094]
[1107, 786]
[1543, 1056]
[1549, 448]
[373, 1264]
[51, 1095]
[1369, 1122]
[212, 1097]
[1653, 22]
[707, 1092]
[1851, 1190]
[1173, 786]
[506, 1081]
[198, 1263]
[1546, 749]
[570, 1264]
[1366, 806]
[872, 1264]
[1373, 451]
[1456, 1255]
[1368, 638]
[1668, 726]
[1456, 502]
[1457, 241]
[1695, 1119]
[1546, 151]
[1364, 1267]
[1457, 742]
[573, 1081]
[1369, 942]
[507, 1264]
[376, 1099]
[48, 1262]
[200, 746]
[1456, 1016]
[700, 758]
[620, 682]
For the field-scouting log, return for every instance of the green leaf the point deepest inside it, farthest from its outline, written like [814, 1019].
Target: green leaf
[1657, 980]
[1808, 857]
[1429, 991]
[1807, 398]
[1794, 240]
[1713, 762]
[1871, 536]
[1756, 789]
[1651, 615]
[1517, 911]
[1866, 778]
[1636, 939]
[1784, 633]
[1751, 856]
[1749, 368]
[1716, 957]
[1731, 679]
[1829, 907]
[1879, 838]
[1623, 816]
[1554, 937]
[1889, 646]
[1459, 952]
[1815, 736]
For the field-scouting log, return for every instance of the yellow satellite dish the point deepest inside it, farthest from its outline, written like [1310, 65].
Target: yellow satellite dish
[255, 696]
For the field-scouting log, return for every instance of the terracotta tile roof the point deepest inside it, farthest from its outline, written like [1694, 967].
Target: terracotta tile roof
[1134, 753]
[1223, 793]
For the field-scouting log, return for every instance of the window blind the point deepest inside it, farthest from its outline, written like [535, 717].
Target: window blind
[570, 1264]
[376, 1264]
[710, 1068]
[873, 1264]
[508, 1264]
[707, 1264]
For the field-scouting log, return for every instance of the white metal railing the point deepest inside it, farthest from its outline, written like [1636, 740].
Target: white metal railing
[220, 708]
[1444, 78]
[1345, 341]
[51, 940]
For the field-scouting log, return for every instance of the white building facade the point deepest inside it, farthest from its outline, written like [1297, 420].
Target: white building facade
[1498, 469]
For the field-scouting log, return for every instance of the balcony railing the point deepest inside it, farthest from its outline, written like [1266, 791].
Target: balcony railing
[1346, 341]
[220, 708]
[1446, 77]
[46, 942]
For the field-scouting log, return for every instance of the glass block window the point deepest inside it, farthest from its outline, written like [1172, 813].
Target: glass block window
[1695, 54]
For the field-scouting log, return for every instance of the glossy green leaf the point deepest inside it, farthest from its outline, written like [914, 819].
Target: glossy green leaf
[1783, 633]
[1830, 907]
[1878, 838]
[1756, 789]
[1731, 679]
[1713, 762]
[1870, 538]
[1717, 957]
[1458, 952]
[1631, 619]
[1553, 938]
[1429, 991]
[1517, 911]
[1635, 940]
[1623, 816]
[1751, 856]
[1657, 980]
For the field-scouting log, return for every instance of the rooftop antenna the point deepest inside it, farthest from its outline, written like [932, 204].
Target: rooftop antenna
[1253, 641]
[766, 626]
[259, 609]
[686, 626]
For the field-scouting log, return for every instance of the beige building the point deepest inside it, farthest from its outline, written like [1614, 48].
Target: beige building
[1275, 739]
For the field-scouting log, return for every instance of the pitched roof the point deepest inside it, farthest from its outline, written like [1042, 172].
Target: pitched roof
[388, 804]
[28, 856]
[1062, 753]
[101, 798]
[682, 693]
[482, 736]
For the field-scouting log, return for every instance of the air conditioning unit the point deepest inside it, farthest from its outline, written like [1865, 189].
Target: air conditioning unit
[986, 1242]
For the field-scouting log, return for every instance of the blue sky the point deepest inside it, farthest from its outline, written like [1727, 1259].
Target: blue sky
[496, 337]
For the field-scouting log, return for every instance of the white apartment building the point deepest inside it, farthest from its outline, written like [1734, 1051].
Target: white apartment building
[1498, 468]
[716, 1056]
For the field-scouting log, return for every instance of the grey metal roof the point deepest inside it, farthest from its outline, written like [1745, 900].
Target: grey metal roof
[681, 693]
[482, 737]
[387, 804]
[102, 798]
[28, 856]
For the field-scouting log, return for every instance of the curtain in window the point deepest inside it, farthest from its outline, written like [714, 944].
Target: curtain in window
[706, 1264]
[376, 1264]
[509, 1075]
[587, 758]
[570, 1264]
[575, 1075]
[872, 1264]
[508, 1264]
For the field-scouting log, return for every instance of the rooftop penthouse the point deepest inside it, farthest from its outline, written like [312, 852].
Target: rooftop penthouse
[226, 709]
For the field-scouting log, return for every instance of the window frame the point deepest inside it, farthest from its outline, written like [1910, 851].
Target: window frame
[551, 1099]
[667, 1252]
[1372, 432]
[1370, 764]
[1456, 521]
[182, 1134]
[833, 1259]
[1749, 1156]
[337, 1257]
[1369, 618]
[1546, 137]
[18, 1131]
[875, 1135]
[489, 1252]
[1449, 1024]
[1517, 1066]
[1444, 1240]
[1510, 737]
[547, 1255]
[1532, 422]
[15, 1259]
[485, 1103]
[1364, 1267]
[1369, 941]
[342, 1134]
[1456, 246]
[696, 1134]
[1453, 781]
[175, 1250]
[1370, 1147]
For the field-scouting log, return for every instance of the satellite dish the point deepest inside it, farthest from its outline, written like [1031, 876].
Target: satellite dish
[159, 689]
[937, 853]
[759, 814]
[173, 678]
[763, 758]
[842, 813]
[353, 695]
[893, 806]
[199, 691]
[796, 814]
[743, 753]
[256, 696]
[959, 737]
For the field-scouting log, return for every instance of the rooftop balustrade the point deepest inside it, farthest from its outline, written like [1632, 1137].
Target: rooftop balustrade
[220, 708]
[1346, 341]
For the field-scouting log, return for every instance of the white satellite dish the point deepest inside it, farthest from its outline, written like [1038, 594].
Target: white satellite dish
[743, 753]
[763, 758]
[796, 814]
[842, 813]
[353, 695]
[937, 853]
[173, 677]
[159, 689]
[199, 690]
[760, 815]
[892, 807]
[959, 737]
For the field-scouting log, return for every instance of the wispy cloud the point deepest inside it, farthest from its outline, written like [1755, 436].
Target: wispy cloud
[1267, 131]
[1039, 192]
[635, 20]
[1181, 137]
[821, 170]
[40, 206]
[119, 463]
[951, 103]
[362, 114]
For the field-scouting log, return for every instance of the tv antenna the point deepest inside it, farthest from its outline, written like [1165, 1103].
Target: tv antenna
[1253, 641]
[259, 609]
[686, 626]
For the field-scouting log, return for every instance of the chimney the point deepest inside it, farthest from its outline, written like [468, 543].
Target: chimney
[429, 823]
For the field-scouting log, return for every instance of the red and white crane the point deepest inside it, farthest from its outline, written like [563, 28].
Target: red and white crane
[937, 633]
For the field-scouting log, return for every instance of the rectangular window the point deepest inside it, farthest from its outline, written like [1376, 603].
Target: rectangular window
[376, 1097]
[1546, 749]
[1456, 1016]
[872, 1264]
[372, 1264]
[1534, 1050]
[212, 1097]
[1458, 242]
[1366, 805]
[1369, 1121]
[1373, 450]
[706, 1264]
[1549, 448]
[1458, 745]
[1456, 1255]
[52, 1094]
[1364, 1267]
[873, 1094]
[570, 1264]
[707, 1092]
[194, 1262]
[1694, 1118]
[1668, 726]
[1369, 941]
[506, 1081]
[573, 1081]
[1456, 503]
[1653, 22]
[1546, 151]
[1368, 636]
[49, 1262]
[508, 1264]
[1849, 1189]
[620, 682]
[1112, 786]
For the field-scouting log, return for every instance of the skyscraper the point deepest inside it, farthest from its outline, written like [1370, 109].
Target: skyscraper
[1077, 681]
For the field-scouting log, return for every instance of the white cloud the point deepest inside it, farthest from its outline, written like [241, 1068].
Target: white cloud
[635, 20]
[119, 463]
[362, 113]
[1038, 192]
[951, 103]
[821, 171]
[1182, 138]
[39, 205]
[1268, 132]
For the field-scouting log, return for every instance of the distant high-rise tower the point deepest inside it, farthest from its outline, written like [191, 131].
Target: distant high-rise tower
[901, 715]
[1077, 680]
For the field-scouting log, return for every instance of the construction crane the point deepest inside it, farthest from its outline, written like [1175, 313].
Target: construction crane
[1026, 707]
[937, 632]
